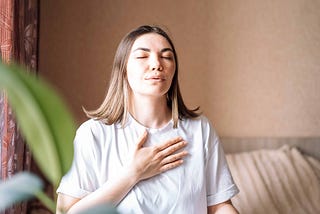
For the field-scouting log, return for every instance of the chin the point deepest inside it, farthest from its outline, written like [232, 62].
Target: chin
[154, 94]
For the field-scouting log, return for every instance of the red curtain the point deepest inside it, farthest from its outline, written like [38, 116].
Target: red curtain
[19, 43]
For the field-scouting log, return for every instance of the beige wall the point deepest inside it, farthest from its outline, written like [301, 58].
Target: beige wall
[252, 66]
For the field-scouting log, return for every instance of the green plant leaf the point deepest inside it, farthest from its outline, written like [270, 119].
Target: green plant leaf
[45, 121]
[20, 187]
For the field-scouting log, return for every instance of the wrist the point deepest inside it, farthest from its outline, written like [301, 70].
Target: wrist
[129, 174]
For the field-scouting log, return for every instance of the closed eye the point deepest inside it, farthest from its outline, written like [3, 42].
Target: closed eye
[167, 57]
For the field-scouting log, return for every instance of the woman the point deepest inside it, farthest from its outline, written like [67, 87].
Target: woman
[143, 150]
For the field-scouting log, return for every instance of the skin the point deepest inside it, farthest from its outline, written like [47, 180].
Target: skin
[146, 162]
[150, 70]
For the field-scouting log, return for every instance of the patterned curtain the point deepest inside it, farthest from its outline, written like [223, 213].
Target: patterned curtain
[18, 41]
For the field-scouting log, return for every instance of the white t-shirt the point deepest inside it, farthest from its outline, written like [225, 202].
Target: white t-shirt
[204, 179]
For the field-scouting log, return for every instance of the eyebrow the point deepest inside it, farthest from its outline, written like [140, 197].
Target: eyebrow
[148, 50]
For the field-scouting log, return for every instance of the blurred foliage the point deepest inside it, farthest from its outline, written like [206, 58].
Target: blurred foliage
[48, 128]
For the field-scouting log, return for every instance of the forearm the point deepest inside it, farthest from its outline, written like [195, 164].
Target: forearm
[112, 192]
[146, 162]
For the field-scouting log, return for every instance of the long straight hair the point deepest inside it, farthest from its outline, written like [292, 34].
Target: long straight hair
[114, 108]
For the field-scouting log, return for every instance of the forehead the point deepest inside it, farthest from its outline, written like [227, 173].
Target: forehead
[151, 40]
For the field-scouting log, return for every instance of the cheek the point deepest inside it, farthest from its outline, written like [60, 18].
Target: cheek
[171, 74]
[130, 79]
[131, 72]
[134, 80]
[172, 70]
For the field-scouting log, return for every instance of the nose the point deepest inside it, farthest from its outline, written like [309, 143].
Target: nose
[155, 64]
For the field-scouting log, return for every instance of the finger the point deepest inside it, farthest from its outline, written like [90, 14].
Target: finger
[173, 148]
[142, 139]
[171, 165]
[170, 142]
[174, 157]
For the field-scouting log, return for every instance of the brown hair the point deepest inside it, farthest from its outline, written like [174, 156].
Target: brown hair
[115, 105]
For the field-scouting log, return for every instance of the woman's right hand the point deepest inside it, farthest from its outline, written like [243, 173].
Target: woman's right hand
[149, 161]
[146, 162]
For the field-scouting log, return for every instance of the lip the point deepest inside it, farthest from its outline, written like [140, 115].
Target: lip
[156, 78]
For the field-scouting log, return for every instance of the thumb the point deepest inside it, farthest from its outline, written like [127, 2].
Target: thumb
[142, 139]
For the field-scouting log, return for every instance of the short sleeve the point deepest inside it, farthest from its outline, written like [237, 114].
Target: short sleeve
[81, 179]
[219, 181]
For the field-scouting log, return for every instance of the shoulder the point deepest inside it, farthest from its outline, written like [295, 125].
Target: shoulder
[93, 132]
[93, 126]
[201, 125]
[201, 121]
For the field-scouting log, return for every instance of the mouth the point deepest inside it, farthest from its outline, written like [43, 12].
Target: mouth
[156, 78]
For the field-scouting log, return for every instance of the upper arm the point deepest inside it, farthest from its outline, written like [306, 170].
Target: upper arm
[65, 202]
[219, 182]
[224, 207]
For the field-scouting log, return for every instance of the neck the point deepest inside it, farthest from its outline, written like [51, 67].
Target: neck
[150, 112]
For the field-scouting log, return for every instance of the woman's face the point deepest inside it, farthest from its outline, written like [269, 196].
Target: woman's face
[151, 66]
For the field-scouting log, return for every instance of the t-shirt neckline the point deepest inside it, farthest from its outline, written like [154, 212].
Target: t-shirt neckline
[150, 130]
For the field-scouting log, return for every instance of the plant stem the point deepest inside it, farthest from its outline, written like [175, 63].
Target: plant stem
[46, 201]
